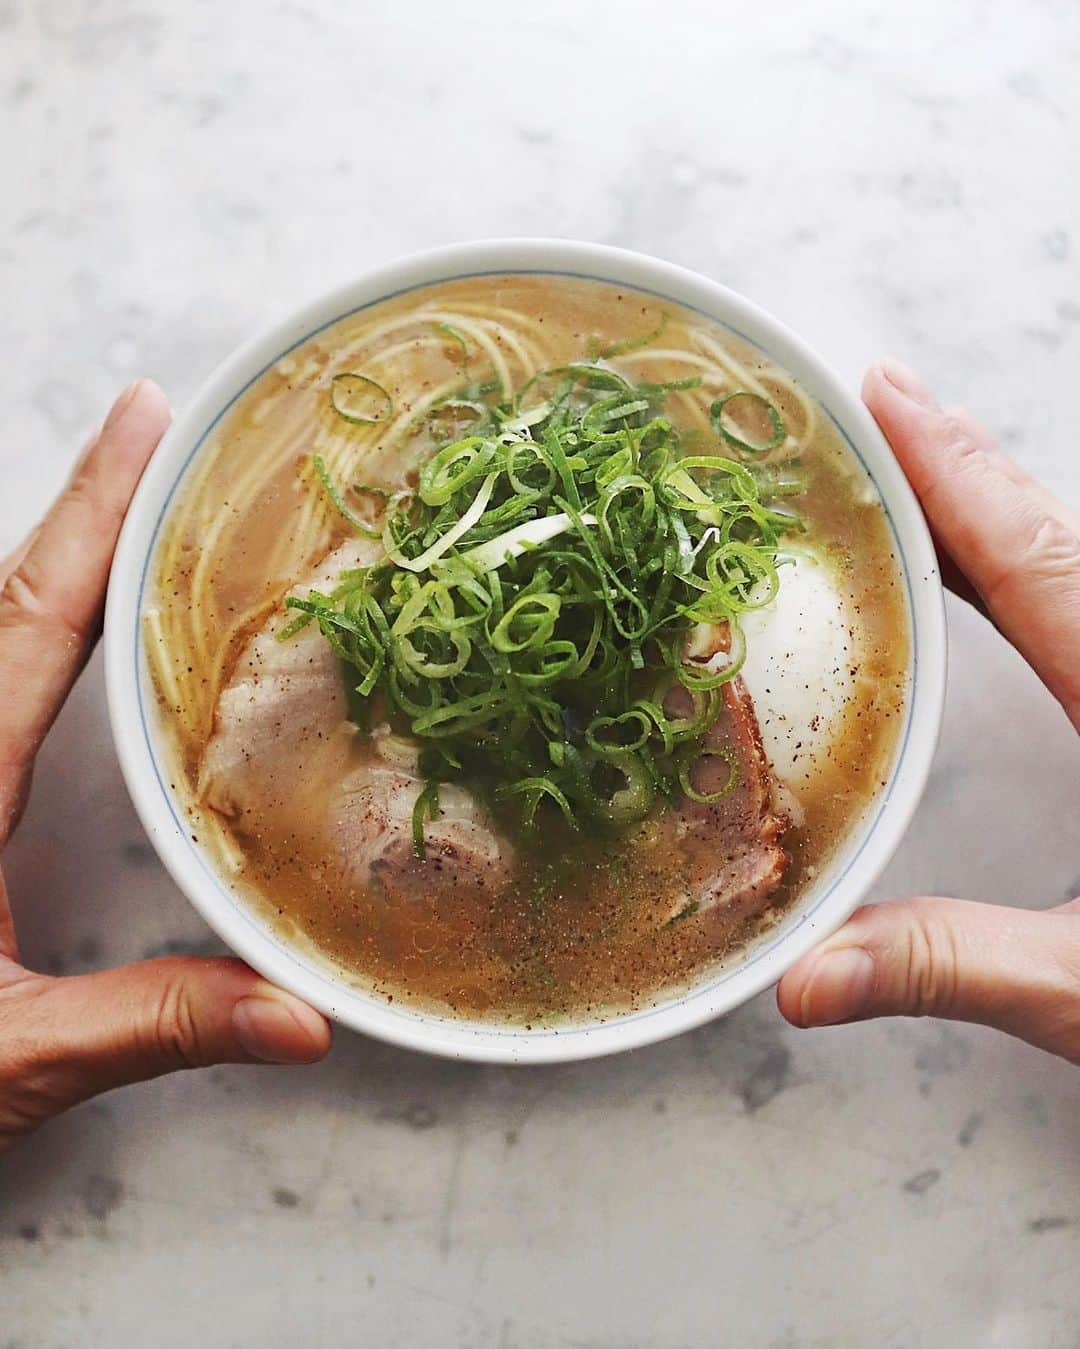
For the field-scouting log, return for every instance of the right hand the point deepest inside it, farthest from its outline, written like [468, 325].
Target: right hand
[1012, 548]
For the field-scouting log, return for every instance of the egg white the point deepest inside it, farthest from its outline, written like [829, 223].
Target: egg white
[800, 657]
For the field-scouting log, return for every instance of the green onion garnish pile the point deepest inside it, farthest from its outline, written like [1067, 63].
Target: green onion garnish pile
[541, 589]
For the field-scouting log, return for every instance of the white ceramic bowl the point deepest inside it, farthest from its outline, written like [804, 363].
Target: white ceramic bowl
[821, 910]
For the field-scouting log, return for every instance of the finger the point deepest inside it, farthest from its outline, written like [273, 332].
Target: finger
[951, 574]
[73, 1038]
[986, 441]
[1021, 556]
[15, 557]
[51, 603]
[1008, 968]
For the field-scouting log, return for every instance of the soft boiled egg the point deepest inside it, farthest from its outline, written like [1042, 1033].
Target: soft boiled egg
[799, 667]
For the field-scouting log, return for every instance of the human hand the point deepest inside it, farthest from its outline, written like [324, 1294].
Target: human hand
[63, 1040]
[1014, 549]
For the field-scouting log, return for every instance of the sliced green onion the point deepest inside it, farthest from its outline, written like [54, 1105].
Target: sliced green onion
[359, 399]
[455, 336]
[427, 802]
[776, 423]
[447, 540]
[290, 629]
[533, 789]
[636, 343]
[360, 526]
[710, 798]
[632, 801]
[422, 663]
[454, 415]
[633, 715]
[540, 590]
[496, 552]
[527, 624]
[452, 467]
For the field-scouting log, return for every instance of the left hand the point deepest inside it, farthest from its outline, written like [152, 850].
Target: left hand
[63, 1040]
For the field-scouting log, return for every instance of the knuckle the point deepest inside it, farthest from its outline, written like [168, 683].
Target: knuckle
[87, 497]
[956, 455]
[1044, 551]
[20, 596]
[958, 443]
[174, 1026]
[24, 600]
[1055, 548]
[965, 432]
[31, 1081]
[26, 1094]
[931, 965]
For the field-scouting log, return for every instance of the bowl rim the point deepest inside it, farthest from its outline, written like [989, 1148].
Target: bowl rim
[726, 988]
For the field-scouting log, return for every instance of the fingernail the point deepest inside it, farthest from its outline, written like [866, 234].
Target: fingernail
[280, 1029]
[122, 404]
[838, 988]
[903, 378]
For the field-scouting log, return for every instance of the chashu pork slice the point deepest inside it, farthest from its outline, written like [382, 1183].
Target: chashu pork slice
[371, 824]
[283, 718]
[732, 847]
[283, 701]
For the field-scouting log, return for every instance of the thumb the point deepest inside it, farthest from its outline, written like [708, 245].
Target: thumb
[1008, 968]
[86, 1034]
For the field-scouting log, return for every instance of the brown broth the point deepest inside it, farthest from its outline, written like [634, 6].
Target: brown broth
[585, 930]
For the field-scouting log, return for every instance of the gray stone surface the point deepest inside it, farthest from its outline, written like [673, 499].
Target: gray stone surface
[884, 177]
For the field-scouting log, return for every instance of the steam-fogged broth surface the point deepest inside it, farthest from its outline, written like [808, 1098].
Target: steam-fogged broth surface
[311, 816]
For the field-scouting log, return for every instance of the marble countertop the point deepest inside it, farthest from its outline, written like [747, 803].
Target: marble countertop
[886, 178]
